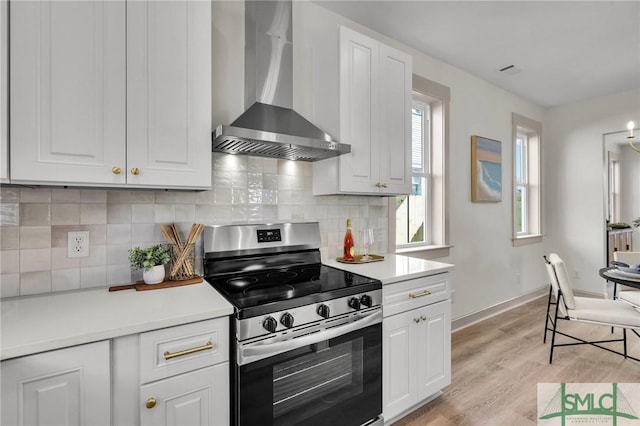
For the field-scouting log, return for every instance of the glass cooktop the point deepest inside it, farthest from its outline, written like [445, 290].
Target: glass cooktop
[259, 292]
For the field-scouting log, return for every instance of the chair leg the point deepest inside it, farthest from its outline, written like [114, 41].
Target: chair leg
[624, 338]
[553, 333]
[546, 320]
[615, 290]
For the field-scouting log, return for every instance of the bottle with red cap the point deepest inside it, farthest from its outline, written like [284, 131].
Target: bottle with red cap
[348, 243]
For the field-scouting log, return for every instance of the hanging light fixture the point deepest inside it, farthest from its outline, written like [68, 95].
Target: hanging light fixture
[630, 136]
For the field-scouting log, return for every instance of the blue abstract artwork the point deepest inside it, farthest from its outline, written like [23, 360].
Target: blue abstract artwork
[486, 170]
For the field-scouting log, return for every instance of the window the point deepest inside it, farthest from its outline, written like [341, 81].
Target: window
[614, 187]
[527, 227]
[418, 221]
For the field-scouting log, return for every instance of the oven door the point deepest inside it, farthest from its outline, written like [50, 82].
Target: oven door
[334, 381]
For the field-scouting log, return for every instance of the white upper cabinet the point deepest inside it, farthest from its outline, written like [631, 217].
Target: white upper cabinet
[169, 93]
[374, 118]
[4, 81]
[108, 93]
[67, 91]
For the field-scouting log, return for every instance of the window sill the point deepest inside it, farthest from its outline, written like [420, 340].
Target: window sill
[529, 239]
[425, 252]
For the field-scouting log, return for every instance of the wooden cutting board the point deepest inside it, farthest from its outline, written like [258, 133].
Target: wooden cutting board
[141, 286]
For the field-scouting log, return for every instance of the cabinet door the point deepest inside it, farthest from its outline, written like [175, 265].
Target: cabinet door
[4, 81]
[399, 363]
[64, 387]
[359, 111]
[200, 397]
[67, 91]
[169, 93]
[395, 121]
[433, 345]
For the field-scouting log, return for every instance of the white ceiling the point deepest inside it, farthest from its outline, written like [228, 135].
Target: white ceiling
[568, 50]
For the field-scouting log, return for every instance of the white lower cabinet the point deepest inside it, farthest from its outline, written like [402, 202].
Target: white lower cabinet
[200, 398]
[416, 350]
[69, 386]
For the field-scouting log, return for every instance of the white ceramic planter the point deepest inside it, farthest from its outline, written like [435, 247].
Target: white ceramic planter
[155, 275]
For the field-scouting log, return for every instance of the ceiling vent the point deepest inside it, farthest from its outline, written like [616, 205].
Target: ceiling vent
[510, 70]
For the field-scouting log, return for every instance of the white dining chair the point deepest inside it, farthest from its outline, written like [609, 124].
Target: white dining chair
[604, 312]
[622, 292]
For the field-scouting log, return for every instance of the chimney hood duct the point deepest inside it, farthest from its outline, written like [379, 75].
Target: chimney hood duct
[270, 127]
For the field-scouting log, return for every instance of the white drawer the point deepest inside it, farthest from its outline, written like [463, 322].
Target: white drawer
[176, 350]
[405, 295]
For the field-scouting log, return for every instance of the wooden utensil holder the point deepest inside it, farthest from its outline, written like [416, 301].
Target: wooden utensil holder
[182, 262]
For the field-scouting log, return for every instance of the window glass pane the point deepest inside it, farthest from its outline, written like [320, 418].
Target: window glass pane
[417, 212]
[402, 219]
[521, 209]
[417, 139]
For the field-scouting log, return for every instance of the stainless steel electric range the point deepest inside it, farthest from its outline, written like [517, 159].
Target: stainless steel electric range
[306, 338]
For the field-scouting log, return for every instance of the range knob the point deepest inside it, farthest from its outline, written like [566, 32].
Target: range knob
[270, 324]
[287, 320]
[354, 303]
[324, 311]
[365, 300]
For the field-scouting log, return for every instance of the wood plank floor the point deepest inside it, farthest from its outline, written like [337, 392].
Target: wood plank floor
[497, 364]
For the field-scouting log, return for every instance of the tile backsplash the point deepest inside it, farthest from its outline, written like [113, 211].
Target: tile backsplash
[34, 221]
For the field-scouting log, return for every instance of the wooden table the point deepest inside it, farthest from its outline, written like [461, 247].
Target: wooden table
[618, 279]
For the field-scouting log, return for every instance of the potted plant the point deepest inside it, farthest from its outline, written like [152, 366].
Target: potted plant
[151, 260]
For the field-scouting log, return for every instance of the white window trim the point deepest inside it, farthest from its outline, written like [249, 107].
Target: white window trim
[439, 160]
[534, 182]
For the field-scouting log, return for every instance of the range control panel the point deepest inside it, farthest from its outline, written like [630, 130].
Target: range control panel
[269, 235]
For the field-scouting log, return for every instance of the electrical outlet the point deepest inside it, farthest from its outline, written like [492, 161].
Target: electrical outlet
[78, 244]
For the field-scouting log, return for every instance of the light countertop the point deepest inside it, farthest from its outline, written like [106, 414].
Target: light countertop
[394, 268]
[40, 323]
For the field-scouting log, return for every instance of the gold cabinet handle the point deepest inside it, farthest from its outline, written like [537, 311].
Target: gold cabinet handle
[116, 170]
[168, 355]
[421, 294]
[151, 402]
[423, 318]
[135, 171]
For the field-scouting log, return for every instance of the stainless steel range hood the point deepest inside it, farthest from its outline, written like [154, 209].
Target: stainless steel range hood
[270, 127]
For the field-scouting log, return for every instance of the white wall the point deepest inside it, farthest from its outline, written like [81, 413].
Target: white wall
[573, 164]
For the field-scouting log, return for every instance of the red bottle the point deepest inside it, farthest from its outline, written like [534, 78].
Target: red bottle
[348, 243]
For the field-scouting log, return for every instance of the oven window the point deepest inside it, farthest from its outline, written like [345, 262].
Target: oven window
[328, 374]
[335, 382]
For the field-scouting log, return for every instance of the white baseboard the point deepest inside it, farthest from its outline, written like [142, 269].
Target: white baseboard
[472, 318]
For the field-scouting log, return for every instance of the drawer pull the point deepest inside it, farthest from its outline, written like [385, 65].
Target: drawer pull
[417, 320]
[421, 294]
[168, 355]
[423, 318]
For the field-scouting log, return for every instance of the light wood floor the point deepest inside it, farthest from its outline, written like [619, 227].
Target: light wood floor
[497, 364]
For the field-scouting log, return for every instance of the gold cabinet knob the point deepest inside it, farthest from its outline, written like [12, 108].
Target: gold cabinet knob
[135, 171]
[423, 318]
[384, 185]
[417, 320]
[151, 402]
[378, 185]
[116, 170]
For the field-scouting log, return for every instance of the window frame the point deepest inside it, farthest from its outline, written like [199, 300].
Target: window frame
[437, 246]
[530, 181]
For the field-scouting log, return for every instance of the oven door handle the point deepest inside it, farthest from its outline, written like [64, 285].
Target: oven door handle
[264, 349]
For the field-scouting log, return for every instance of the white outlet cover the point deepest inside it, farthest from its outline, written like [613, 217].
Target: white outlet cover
[78, 244]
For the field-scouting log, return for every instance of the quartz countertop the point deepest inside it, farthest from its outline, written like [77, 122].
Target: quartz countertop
[394, 268]
[32, 324]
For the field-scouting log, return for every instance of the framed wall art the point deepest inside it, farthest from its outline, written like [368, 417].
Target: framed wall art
[486, 170]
